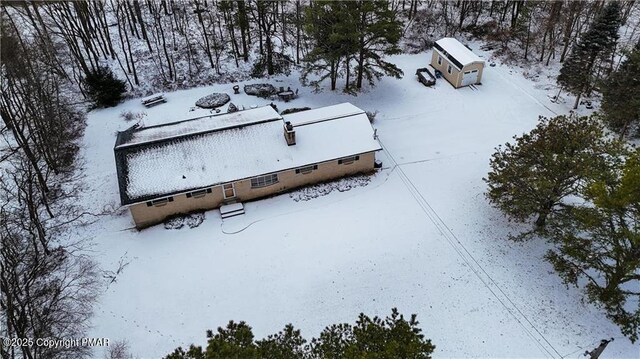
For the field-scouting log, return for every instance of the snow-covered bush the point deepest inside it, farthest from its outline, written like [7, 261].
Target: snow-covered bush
[323, 189]
[192, 220]
[131, 115]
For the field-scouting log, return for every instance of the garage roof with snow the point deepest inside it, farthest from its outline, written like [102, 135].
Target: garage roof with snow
[456, 52]
[182, 156]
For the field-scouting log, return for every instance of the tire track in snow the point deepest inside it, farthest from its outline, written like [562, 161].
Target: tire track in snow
[530, 329]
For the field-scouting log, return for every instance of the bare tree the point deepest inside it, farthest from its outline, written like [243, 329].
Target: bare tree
[42, 123]
[118, 350]
[46, 289]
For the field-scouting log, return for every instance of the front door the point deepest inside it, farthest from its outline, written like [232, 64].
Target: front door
[229, 190]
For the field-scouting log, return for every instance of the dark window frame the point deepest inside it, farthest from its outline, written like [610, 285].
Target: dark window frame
[159, 202]
[306, 169]
[348, 160]
[198, 193]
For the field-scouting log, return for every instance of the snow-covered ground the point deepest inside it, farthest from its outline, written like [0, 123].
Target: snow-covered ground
[419, 236]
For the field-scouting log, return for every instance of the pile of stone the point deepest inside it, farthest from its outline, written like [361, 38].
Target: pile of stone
[214, 100]
[260, 90]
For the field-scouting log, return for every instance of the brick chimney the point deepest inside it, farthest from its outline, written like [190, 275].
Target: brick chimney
[289, 133]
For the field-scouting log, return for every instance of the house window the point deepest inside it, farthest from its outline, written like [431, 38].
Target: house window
[199, 193]
[306, 170]
[159, 202]
[264, 181]
[449, 69]
[348, 160]
[439, 60]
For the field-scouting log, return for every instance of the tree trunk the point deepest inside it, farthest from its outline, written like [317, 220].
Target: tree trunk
[541, 221]
[244, 30]
[526, 45]
[143, 28]
[360, 73]
[348, 74]
[207, 46]
[570, 25]
[25, 146]
[333, 75]
[133, 61]
[298, 26]
[160, 31]
[575, 105]
[232, 33]
[515, 13]
[133, 19]
[270, 70]
[283, 19]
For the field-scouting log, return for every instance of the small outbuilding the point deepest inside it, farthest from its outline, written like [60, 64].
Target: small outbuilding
[458, 64]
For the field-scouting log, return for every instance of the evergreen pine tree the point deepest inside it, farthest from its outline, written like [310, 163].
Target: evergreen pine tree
[332, 342]
[103, 88]
[332, 30]
[621, 96]
[194, 352]
[379, 35]
[534, 175]
[600, 243]
[363, 32]
[389, 338]
[287, 344]
[597, 44]
[234, 341]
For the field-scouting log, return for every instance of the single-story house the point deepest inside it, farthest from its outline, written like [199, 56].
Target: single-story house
[459, 65]
[205, 162]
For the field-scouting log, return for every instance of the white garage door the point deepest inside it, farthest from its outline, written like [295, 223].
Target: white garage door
[469, 77]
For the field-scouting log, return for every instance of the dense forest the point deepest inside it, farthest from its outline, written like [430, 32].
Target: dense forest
[157, 45]
[56, 56]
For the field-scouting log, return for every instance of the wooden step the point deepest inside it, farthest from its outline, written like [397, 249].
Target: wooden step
[231, 210]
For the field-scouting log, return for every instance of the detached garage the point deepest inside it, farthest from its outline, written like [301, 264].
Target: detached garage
[459, 65]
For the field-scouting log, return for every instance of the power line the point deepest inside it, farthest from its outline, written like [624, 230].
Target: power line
[453, 239]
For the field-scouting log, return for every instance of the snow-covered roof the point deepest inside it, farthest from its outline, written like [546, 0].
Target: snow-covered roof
[186, 160]
[199, 125]
[322, 114]
[458, 51]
